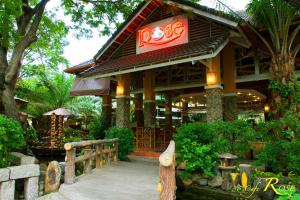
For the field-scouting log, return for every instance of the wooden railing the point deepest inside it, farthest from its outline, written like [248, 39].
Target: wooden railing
[167, 180]
[100, 150]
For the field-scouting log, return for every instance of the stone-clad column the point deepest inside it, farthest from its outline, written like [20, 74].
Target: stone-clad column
[123, 112]
[106, 111]
[229, 98]
[214, 103]
[123, 101]
[184, 112]
[214, 91]
[149, 102]
[230, 108]
[139, 116]
[168, 112]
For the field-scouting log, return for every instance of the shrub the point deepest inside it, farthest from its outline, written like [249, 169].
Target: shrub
[126, 140]
[73, 135]
[96, 128]
[30, 135]
[281, 156]
[11, 136]
[200, 143]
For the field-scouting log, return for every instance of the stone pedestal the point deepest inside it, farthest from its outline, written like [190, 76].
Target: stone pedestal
[214, 103]
[230, 109]
[149, 114]
[123, 112]
[106, 115]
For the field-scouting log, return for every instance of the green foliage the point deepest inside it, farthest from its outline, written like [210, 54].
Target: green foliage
[30, 135]
[45, 93]
[72, 135]
[277, 17]
[281, 156]
[288, 193]
[126, 140]
[97, 128]
[11, 136]
[200, 143]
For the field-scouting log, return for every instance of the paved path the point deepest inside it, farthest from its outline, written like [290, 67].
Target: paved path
[135, 180]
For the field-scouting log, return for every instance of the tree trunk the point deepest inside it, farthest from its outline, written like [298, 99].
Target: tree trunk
[282, 71]
[8, 103]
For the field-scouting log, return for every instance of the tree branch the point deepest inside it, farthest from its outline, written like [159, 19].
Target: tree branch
[29, 38]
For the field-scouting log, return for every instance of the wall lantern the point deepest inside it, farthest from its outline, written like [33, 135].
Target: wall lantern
[267, 108]
[211, 78]
[120, 90]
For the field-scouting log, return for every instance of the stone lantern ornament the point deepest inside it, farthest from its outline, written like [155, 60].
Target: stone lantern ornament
[226, 165]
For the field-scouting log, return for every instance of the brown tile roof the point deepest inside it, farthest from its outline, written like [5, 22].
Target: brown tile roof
[80, 67]
[192, 49]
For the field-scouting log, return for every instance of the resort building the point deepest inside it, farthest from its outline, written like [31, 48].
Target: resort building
[172, 60]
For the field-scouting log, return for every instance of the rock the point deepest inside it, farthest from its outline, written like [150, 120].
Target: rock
[24, 171]
[62, 167]
[261, 184]
[284, 180]
[181, 165]
[4, 174]
[226, 185]
[21, 159]
[202, 181]
[187, 182]
[216, 181]
[179, 184]
[52, 178]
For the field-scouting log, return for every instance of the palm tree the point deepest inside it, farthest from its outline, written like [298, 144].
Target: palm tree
[277, 18]
[46, 93]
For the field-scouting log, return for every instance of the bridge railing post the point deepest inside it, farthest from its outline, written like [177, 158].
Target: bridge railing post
[99, 156]
[70, 165]
[93, 149]
[167, 180]
[88, 162]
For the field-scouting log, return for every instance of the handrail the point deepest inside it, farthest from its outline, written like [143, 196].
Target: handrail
[100, 150]
[167, 180]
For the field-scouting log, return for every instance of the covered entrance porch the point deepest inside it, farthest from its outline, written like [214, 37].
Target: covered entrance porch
[164, 68]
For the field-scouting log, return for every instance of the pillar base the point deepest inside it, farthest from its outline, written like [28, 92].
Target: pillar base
[150, 114]
[214, 104]
[123, 112]
[230, 107]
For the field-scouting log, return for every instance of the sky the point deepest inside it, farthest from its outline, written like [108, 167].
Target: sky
[84, 49]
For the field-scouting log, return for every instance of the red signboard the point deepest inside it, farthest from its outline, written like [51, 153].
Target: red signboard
[165, 33]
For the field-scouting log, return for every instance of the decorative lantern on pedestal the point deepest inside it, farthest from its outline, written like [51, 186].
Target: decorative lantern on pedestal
[226, 165]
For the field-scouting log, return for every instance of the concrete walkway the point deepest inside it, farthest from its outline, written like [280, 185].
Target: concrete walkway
[134, 180]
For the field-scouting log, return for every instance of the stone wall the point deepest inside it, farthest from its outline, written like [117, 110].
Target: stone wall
[8, 176]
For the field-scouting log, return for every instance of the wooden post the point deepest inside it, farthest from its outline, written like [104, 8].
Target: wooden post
[167, 185]
[88, 162]
[115, 151]
[99, 156]
[70, 165]
[108, 154]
